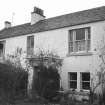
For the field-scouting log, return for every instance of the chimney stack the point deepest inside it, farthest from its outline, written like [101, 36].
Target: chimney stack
[37, 15]
[7, 24]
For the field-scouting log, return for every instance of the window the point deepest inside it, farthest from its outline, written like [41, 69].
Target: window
[72, 80]
[79, 40]
[30, 45]
[2, 48]
[85, 81]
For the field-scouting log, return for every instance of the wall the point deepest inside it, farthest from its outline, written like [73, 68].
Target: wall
[13, 43]
[75, 64]
[85, 63]
[57, 41]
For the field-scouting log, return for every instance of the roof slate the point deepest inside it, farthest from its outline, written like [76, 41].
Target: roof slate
[77, 18]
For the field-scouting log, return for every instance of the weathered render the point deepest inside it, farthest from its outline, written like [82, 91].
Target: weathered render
[53, 34]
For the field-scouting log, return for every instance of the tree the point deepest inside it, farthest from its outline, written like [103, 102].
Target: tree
[98, 88]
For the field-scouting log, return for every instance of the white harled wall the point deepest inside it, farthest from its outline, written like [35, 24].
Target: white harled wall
[57, 41]
[13, 43]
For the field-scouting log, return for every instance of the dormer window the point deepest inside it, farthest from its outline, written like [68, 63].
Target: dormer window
[79, 40]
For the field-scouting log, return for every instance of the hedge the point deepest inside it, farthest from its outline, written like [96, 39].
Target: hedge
[13, 82]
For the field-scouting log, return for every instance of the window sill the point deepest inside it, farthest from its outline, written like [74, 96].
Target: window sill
[80, 54]
[83, 92]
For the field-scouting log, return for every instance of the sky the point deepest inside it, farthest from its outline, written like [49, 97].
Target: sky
[19, 11]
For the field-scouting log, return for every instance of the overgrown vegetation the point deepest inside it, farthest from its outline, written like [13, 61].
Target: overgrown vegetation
[46, 80]
[13, 79]
[97, 92]
[13, 83]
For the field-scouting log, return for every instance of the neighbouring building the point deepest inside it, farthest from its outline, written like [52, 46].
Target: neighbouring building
[75, 37]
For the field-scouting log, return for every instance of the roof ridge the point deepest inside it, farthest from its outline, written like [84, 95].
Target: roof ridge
[20, 25]
[95, 8]
[59, 16]
[67, 20]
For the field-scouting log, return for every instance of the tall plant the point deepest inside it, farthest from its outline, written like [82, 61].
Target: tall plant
[98, 88]
[16, 74]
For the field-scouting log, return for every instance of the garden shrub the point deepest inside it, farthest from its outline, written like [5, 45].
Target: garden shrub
[47, 82]
[13, 82]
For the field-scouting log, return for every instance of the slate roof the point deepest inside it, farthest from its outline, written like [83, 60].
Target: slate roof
[77, 18]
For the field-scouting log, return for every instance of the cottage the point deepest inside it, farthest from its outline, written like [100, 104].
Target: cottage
[75, 37]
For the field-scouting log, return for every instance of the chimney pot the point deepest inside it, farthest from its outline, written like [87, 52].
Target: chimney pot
[7, 24]
[36, 15]
[38, 11]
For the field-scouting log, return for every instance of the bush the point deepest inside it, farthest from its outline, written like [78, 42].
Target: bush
[47, 82]
[13, 82]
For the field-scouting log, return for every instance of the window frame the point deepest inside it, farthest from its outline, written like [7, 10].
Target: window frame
[72, 48]
[81, 81]
[71, 80]
[30, 47]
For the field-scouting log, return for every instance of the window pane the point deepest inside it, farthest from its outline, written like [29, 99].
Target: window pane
[86, 85]
[71, 35]
[73, 80]
[1, 46]
[73, 84]
[80, 34]
[70, 46]
[88, 45]
[85, 76]
[88, 33]
[80, 45]
[1, 49]
[73, 76]
[71, 49]
[30, 45]
[85, 80]
[32, 42]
